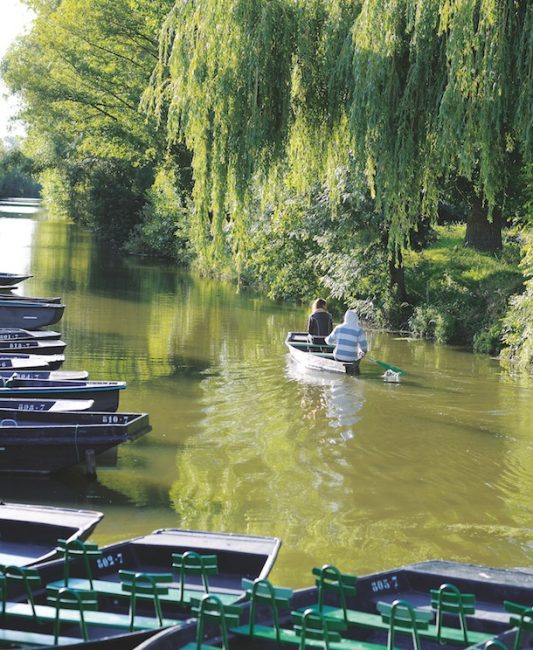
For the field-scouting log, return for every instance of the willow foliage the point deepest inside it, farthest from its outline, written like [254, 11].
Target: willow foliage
[223, 77]
[440, 90]
[412, 91]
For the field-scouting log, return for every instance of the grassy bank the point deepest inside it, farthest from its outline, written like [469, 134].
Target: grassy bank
[461, 295]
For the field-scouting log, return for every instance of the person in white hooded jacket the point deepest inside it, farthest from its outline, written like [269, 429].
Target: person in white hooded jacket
[349, 339]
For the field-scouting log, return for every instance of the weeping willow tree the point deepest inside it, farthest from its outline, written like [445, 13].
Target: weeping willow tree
[418, 94]
[223, 85]
[441, 94]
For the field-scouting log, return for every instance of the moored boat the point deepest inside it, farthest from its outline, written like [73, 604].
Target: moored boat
[60, 375]
[43, 442]
[18, 361]
[434, 604]
[33, 346]
[104, 393]
[10, 279]
[46, 404]
[29, 533]
[179, 564]
[317, 356]
[29, 315]
[15, 296]
[19, 334]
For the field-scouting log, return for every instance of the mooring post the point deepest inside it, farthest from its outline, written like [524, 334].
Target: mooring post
[90, 461]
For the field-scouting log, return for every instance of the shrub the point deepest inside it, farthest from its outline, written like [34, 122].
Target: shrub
[164, 230]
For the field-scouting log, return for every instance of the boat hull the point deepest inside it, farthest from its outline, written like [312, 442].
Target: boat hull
[10, 279]
[410, 583]
[60, 375]
[16, 362]
[42, 442]
[238, 556]
[53, 405]
[19, 334]
[33, 346]
[29, 533]
[29, 315]
[15, 296]
[105, 394]
[316, 357]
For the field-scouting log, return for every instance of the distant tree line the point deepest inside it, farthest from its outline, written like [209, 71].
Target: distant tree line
[17, 176]
[297, 145]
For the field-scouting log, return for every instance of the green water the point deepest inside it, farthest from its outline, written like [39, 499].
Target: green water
[352, 471]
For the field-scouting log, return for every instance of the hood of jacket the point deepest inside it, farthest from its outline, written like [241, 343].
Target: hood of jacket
[351, 319]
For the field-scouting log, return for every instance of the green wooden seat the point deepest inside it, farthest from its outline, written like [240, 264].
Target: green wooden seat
[38, 639]
[113, 588]
[312, 626]
[400, 616]
[447, 599]
[191, 563]
[330, 579]
[28, 577]
[25, 577]
[261, 592]
[147, 585]
[77, 548]
[210, 609]
[79, 601]
[521, 618]
[47, 614]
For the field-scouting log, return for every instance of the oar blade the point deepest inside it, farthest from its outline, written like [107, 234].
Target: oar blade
[388, 366]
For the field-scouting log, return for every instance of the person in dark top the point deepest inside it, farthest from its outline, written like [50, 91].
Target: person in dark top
[320, 322]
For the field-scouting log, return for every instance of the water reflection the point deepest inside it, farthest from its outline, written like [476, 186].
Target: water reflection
[347, 470]
[334, 400]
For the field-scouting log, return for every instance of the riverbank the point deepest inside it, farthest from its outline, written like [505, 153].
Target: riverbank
[460, 295]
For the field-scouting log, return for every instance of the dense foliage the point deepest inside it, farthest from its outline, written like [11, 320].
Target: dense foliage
[16, 173]
[81, 72]
[518, 322]
[302, 146]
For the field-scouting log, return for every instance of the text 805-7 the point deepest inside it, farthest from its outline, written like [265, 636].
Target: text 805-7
[384, 584]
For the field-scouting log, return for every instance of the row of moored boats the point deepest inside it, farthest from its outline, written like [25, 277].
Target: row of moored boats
[50, 418]
[195, 590]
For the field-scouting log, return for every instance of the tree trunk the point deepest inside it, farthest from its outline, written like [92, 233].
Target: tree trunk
[482, 234]
[397, 278]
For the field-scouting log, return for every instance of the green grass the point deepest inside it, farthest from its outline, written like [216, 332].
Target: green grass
[459, 295]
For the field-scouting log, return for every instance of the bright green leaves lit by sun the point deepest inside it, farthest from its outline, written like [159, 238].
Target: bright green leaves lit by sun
[412, 92]
[301, 145]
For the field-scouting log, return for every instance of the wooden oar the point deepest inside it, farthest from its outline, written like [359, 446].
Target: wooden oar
[387, 366]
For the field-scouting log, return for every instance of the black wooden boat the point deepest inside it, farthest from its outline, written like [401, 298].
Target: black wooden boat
[29, 533]
[29, 315]
[33, 346]
[42, 442]
[176, 560]
[104, 393]
[471, 603]
[19, 334]
[15, 296]
[18, 361]
[10, 279]
[46, 404]
[60, 375]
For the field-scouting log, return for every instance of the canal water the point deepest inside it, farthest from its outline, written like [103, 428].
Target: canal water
[351, 471]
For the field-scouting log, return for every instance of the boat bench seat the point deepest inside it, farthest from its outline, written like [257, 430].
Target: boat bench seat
[20, 637]
[293, 637]
[111, 588]
[375, 621]
[47, 613]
